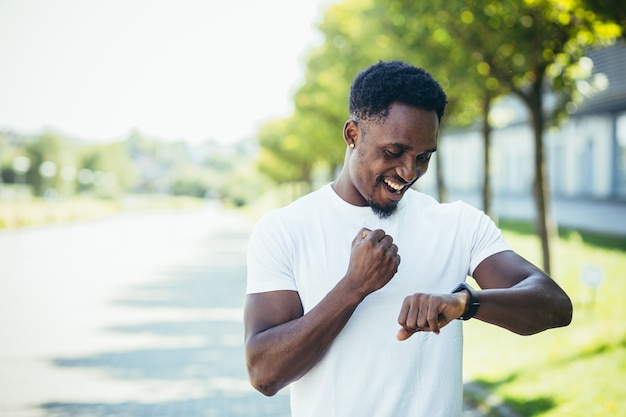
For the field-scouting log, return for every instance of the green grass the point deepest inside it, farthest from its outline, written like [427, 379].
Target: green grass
[579, 370]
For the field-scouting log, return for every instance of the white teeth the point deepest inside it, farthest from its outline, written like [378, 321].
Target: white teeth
[393, 185]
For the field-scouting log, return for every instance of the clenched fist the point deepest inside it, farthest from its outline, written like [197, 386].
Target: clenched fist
[374, 260]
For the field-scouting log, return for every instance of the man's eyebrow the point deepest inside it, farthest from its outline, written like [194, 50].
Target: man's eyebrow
[406, 148]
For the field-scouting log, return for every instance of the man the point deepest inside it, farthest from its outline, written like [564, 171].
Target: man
[354, 290]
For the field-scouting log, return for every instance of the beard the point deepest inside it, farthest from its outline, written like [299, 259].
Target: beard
[379, 210]
[383, 212]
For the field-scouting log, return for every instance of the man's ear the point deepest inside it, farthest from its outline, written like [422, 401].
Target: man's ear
[350, 133]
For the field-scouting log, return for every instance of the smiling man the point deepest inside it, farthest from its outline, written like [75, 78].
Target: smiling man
[354, 290]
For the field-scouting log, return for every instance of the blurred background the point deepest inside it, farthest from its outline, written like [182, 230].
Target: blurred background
[140, 141]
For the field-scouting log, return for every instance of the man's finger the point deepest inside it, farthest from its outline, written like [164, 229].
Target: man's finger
[403, 334]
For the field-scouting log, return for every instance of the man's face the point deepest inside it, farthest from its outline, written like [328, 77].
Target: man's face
[390, 155]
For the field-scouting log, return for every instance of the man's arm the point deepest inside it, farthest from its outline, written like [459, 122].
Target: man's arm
[282, 343]
[515, 295]
[518, 296]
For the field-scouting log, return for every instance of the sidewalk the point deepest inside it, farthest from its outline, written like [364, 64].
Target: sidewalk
[132, 316]
[584, 214]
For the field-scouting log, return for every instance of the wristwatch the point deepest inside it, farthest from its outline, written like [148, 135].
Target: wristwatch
[474, 301]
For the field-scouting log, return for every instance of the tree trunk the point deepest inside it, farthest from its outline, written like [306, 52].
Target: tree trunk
[441, 186]
[544, 225]
[487, 158]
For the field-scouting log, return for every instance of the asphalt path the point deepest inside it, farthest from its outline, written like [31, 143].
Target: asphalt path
[133, 315]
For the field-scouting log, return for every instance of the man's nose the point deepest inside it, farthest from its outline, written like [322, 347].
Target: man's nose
[408, 170]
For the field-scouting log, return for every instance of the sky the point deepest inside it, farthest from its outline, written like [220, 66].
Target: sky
[172, 69]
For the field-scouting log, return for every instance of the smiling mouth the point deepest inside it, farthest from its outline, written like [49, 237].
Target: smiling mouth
[394, 186]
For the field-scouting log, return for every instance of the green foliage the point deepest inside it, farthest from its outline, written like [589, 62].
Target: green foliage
[286, 151]
[421, 33]
[531, 42]
[243, 186]
[293, 148]
[106, 164]
[191, 181]
[136, 165]
[478, 52]
[609, 10]
[52, 150]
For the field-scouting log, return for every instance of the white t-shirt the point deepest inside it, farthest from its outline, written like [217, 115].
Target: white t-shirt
[306, 246]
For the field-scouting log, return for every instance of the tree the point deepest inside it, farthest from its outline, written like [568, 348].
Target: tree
[321, 104]
[311, 138]
[48, 153]
[534, 46]
[488, 48]
[525, 47]
[106, 168]
[285, 154]
[422, 34]
[609, 10]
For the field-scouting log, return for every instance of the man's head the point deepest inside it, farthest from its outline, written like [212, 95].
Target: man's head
[376, 88]
[395, 111]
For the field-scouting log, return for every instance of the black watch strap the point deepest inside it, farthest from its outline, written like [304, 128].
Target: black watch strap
[474, 301]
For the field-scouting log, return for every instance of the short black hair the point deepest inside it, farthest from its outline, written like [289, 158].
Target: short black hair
[377, 87]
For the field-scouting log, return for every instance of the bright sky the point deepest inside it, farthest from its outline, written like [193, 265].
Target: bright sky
[173, 69]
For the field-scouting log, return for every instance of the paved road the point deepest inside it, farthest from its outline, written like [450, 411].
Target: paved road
[135, 315]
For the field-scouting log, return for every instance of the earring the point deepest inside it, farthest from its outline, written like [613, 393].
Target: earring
[352, 146]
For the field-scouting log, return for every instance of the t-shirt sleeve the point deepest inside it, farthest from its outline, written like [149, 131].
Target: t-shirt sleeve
[269, 257]
[486, 239]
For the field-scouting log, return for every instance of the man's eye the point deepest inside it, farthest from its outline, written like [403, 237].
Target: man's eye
[425, 157]
[393, 154]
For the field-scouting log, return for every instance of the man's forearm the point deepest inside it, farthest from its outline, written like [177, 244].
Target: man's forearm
[532, 306]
